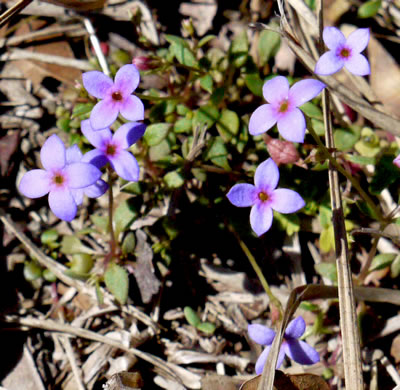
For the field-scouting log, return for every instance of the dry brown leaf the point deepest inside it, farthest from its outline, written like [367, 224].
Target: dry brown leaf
[144, 271]
[395, 349]
[290, 382]
[37, 71]
[202, 13]
[385, 77]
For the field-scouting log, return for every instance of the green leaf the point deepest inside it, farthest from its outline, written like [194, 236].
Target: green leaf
[218, 153]
[72, 244]
[327, 239]
[268, 45]
[160, 151]
[183, 125]
[81, 109]
[100, 222]
[49, 276]
[124, 215]
[156, 133]
[345, 139]
[203, 41]
[99, 294]
[327, 270]
[181, 109]
[174, 179]
[206, 327]
[49, 236]
[32, 271]
[117, 282]
[191, 316]
[318, 127]
[239, 49]
[128, 244]
[63, 124]
[325, 216]
[369, 9]
[180, 49]
[306, 305]
[81, 263]
[289, 222]
[205, 116]
[312, 111]
[381, 261]
[395, 267]
[206, 82]
[366, 209]
[362, 160]
[254, 83]
[228, 124]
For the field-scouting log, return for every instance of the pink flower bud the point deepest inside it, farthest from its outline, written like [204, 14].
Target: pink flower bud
[143, 62]
[282, 152]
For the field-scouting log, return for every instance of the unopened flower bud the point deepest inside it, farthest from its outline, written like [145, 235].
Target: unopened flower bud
[282, 152]
[144, 63]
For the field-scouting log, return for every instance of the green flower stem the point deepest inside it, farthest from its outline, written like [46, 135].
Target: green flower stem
[273, 299]
[348, 176]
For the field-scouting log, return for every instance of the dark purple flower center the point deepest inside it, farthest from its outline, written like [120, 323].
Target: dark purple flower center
[345, 53]
[111, 149]
[117, 96]
[284, 106]
[263, 196]
[58, 179]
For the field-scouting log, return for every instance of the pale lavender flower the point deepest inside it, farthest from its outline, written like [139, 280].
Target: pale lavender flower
[58, 179]
[344, 52]
[116, 96]
[283, 107]
[297, 350]
[396, 161]
[74, 155]
[112, 148]
[264, 197]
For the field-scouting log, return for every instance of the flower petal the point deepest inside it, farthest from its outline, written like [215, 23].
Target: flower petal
[296, 328]
[126, 166]
[260, 218]
[128, 134]
[276, 89]
[358, 65]
[95, 157]
[396, 161]
[96, 137]
[305, 90]
[77, 194]
[242, 195]
[35, 183]
[261, 334]
[52, 154]
[333, 38]
[286, 201]
[261, 360]
[97, 189]
[81, 174]
[73, 154]
[301, 352]
[267, 175]
[127, 79]
[62, 204]
[97, 83]
[358, 40]
[329, 63]
[104, 114]
[262, 119]
[132, 108]
[292, 126]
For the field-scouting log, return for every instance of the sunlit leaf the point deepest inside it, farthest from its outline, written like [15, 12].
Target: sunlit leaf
[117, 282]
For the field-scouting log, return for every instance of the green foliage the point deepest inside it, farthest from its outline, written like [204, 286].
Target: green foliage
[369, 9]
[116, 280]
[268, 45]
[381, 261]
[193, 319]
[156, 133]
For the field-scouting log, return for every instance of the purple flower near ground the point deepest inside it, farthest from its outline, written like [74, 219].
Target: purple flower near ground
[283, 107]
[58, 179]
[297, 350]
[396, 161]
[112, 148]
[116, 96]
[74, 155]
[344, 52]
[264, 197]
